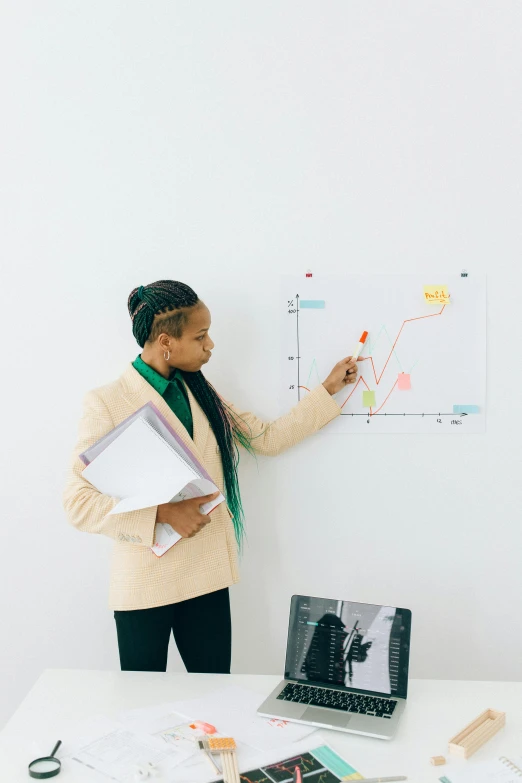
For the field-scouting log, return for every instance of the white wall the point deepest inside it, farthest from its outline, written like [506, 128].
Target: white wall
[223, 143]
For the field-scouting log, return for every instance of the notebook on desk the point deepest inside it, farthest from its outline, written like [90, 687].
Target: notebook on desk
[501, 770]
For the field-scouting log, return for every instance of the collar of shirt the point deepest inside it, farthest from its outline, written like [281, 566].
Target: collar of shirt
[157, 381]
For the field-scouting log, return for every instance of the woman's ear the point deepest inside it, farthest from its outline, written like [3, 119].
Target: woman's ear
[164, 342]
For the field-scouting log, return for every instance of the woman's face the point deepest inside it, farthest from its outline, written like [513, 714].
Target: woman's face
[193, 349]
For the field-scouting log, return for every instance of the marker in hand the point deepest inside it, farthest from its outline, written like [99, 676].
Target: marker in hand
[360, 345]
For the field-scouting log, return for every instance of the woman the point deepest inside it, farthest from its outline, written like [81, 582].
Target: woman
[185, 590]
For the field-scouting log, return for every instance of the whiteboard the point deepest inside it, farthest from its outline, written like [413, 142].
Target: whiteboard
[423, 365]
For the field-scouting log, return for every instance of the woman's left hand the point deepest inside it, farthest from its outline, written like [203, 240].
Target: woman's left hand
[343, 373]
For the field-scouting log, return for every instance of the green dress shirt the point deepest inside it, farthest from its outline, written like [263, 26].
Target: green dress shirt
[172, 390]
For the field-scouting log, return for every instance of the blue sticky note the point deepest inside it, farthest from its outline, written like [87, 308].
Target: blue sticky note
[466, 409]
[312, 304]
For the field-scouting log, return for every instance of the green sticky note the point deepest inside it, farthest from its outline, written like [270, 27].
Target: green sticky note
[368, 399]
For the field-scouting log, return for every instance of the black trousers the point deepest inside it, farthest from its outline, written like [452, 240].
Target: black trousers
[202, 630]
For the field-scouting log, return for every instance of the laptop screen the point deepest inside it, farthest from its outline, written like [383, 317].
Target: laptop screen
[356, 646]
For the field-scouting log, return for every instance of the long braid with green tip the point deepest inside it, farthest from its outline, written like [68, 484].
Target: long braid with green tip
[165, 296]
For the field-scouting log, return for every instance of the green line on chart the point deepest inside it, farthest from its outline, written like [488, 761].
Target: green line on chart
[373, 344]
[314, 364]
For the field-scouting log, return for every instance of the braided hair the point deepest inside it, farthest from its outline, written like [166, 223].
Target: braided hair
[167, 296]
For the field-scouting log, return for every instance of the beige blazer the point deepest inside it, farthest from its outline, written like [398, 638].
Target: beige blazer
[194, 566]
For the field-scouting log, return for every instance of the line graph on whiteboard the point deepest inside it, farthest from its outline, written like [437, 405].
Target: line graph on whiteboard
[423, 365]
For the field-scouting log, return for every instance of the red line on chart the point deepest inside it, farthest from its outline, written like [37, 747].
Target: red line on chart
[385, 401]
[370, 358]
[407, 321]
[360, 380]
[372, 413]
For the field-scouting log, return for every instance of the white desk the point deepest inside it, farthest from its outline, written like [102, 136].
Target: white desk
[436, 710]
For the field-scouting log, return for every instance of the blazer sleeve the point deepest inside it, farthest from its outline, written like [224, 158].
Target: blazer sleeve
[309, 415]
[86, 508]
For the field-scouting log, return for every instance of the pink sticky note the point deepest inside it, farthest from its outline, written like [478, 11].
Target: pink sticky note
[404, 382]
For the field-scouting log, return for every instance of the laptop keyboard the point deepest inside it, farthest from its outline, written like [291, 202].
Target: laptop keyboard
[338, 700]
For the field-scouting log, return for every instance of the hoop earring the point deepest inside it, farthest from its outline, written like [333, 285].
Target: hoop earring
[166, 355]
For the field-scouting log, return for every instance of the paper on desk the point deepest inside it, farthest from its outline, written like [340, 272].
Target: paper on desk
[233, 712]
[161, 721]
[113, 750]
[501, 770]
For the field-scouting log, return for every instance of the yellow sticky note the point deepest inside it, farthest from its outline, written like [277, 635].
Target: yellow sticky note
[436, 294]
[368, 399]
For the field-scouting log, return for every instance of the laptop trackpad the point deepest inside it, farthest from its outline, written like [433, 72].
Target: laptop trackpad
[326, 717]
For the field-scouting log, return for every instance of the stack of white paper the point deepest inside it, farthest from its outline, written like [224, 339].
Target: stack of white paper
[118, 753]
[233, 711]
[144, 463]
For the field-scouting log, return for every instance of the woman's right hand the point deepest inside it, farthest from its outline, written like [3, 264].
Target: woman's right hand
[343, 373]
[185, 517]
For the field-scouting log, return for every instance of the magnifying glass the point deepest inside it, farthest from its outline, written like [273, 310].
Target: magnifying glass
[47, 766]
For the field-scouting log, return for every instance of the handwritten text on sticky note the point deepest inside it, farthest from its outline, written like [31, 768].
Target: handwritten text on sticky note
[368, 399]
[436, 294]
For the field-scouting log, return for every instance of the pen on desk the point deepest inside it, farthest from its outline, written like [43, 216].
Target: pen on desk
[360, 345]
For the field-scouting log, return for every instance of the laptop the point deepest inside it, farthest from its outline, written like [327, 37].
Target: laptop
[346, 667]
